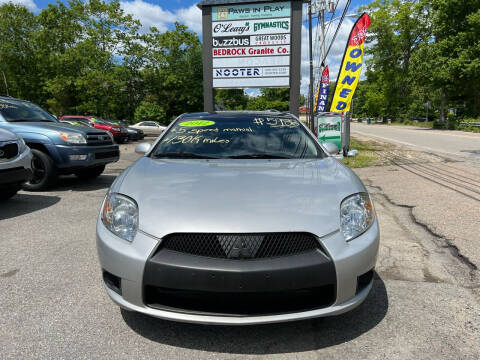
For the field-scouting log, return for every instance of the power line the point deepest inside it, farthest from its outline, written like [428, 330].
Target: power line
[331, 18]
[347, 5]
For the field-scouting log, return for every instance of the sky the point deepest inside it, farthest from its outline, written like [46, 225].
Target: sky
[163, 14]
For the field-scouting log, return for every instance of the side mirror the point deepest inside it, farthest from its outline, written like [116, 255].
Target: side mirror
[331, 148]
[143, 148]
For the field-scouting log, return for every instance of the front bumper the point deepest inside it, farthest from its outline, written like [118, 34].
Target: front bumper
[16, 171]
[127, 261]
[95, 155]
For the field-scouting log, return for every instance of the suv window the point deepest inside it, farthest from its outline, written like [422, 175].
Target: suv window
[14, 110]
[254, 136]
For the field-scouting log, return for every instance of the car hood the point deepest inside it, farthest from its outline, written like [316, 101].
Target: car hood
[6, 135]
[43, 127]
[238, 195]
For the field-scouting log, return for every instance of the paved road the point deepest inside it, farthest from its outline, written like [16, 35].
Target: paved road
[453, 143]
[53, 305]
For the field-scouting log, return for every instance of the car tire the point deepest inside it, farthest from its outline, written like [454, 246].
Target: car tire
[91, 173]
[120, 141]
[45, 173]
[10, 191]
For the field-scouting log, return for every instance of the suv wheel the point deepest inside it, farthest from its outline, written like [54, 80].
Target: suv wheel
[9, 192]
[91, 173]
[44, 172]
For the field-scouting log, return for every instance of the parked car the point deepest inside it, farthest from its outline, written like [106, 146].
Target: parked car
[119, 133]
[15, 163]
[237, 218]
[57, 148]
[150, 128]
[133, 133]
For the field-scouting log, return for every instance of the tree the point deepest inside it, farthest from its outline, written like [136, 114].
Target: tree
[231, 99]
[173, 73]
[17, 52]
[397, 29]
[148, 111]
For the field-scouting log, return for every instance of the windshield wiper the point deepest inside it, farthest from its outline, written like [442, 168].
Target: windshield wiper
[259, 156]
[183, 155]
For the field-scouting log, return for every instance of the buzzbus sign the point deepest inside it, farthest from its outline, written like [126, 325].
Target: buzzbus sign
[251, 44]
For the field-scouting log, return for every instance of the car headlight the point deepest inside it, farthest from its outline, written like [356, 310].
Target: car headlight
[110, 134]
[120, 216]
[356, 215]
[72, 138]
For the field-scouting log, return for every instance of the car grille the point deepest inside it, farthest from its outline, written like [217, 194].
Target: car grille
[107, 154]
[240, 303]
[241, 246]
[8, 151]
[96, 139]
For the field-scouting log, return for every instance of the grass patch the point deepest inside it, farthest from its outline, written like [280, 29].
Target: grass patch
[422, 124]
[367, 154]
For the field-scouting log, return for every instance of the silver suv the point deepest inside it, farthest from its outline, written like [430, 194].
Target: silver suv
[15, 163]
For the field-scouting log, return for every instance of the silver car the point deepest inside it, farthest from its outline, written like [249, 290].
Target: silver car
[237, 218]
[15, 163]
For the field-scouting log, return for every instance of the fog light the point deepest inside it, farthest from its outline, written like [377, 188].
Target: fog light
[113, 282]
[364, 280]
[77, 157]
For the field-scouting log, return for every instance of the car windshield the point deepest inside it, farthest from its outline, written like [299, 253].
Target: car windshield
[237, 137]
[14, 110]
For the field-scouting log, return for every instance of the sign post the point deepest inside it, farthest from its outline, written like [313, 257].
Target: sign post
[251, 44]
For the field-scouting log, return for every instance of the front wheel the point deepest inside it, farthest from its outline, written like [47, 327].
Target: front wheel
[44, 172]
[91, 173]
[7, 193]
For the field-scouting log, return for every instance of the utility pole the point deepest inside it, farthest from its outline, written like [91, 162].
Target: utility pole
[314, 7]
[322, 35]
[6, 84]
[310, 88]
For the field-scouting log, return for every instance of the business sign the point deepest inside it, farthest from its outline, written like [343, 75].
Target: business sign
[251, 82]
[253, 40]
[251, 27]
[276, 39]
[250, 72]
[251, 61]
[329, 129]
[251, 11]
[251, 45]
[252, 51]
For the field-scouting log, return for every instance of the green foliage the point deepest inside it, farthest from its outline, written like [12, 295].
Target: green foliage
[231, 99]
[88, 57]
[421, 51]
[269, 98]
[368, 154]
[148, 111]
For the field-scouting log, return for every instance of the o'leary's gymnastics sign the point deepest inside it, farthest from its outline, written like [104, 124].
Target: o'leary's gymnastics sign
[351, 68]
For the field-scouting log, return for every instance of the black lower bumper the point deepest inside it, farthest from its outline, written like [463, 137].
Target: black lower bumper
[197, 284]
[15, 175]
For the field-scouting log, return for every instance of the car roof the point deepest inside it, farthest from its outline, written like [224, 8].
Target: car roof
[13, 99]
[240, 115]
[77, 116]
